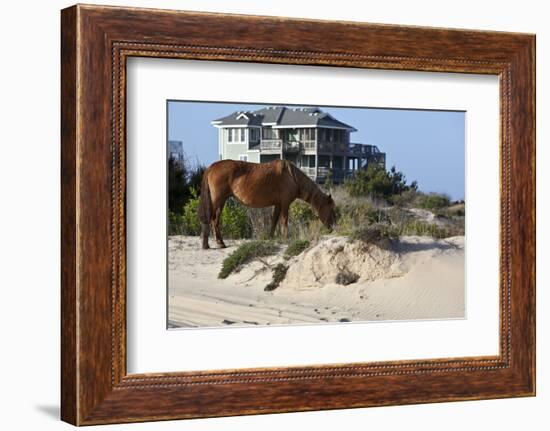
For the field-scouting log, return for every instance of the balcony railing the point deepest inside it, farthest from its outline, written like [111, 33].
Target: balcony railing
[362, 150]
[272, 145]
[276, 146]
[332, 147]
[321, 173]
[308, 145]
[310, 172]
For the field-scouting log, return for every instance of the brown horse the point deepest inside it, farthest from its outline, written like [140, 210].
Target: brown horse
[258, 185]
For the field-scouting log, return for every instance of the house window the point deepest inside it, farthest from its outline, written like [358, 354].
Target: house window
[235, 135]
[270, 133]
[243, 157]
[308, 161]
[308, 134]
[254, 134]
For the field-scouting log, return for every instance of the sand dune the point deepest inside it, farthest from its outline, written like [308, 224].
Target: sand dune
[417, 278]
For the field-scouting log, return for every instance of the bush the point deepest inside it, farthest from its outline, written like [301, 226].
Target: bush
[178, 192]
[360, 213]
[422, 228]
[182, 180]
[300, 212]
[190, 216]
[432, 201]
[296, 247]
[374, 233]
[404, 199]
[175, 223]
[303, 222]
[279, 274]
[376, 182]
[244, 254]
[234, 221]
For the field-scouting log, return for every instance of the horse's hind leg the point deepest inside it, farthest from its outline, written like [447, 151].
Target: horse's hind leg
[205, 232]
[284, 222]
[217, 231]
[274, 219]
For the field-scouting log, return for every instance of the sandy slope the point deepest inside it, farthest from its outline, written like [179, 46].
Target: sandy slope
[419, 278]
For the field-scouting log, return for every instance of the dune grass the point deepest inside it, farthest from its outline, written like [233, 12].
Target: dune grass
[296, 247]
[279, 274]
[244, 254]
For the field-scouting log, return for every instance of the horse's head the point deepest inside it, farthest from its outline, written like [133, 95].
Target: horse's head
[327, 212]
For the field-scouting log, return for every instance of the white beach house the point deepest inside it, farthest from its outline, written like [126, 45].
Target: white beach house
[313, 140]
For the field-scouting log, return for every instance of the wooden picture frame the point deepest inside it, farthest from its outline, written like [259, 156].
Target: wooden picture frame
[95, 43]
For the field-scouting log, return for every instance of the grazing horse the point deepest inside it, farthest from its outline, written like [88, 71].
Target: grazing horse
[258, 185]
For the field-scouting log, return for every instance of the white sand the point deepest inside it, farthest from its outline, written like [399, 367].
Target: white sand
[419, 278]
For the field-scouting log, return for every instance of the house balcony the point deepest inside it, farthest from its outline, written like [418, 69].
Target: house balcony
[274, 146]
[370, 153]
[337, 175]
[271, 146]
[292, 147]
[332, 147]
[362, 150]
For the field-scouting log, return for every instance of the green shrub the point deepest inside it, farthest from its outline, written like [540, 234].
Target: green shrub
[456, 211]
[175, 224]
[432, 201]
[183, 179]
[376, 182]
[360, 213]
[296, 247]
[303, 222]
[244, 254]
[234, 221]
[374, 233]
[190, 218]
[279, 274]
[300, 212]
[404, 199]
[422, 228]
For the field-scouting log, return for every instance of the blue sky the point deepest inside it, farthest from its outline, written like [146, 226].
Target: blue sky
[427, 146]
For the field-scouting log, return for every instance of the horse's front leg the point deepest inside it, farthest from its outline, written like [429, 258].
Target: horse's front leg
[217, 231]
[274, 220]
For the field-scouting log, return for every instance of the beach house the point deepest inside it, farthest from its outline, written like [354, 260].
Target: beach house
[313, 140]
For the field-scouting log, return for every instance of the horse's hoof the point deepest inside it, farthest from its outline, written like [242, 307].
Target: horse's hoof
[205, 247]
[222, 245]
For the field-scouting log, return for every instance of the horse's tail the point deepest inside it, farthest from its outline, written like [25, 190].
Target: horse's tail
[205, 203]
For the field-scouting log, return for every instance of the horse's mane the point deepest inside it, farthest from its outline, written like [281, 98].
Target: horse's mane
[308, 190]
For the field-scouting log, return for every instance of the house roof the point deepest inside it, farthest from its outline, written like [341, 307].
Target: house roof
[282, 116]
